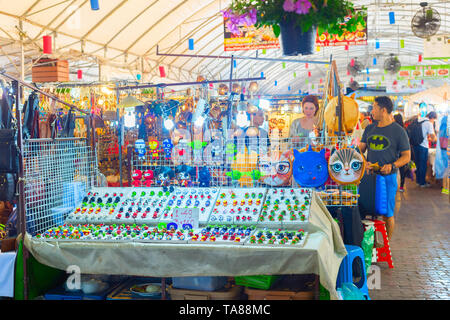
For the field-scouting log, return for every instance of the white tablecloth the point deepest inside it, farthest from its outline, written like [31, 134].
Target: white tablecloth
[321, 255]
[7, 263]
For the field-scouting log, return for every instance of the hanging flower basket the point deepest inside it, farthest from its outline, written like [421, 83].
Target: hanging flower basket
[296, 20]
[294, 41]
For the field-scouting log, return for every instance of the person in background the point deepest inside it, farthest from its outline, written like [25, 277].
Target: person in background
[387, 146]
[301, 128]
[404, 169]
[421, 150]
[443, 143]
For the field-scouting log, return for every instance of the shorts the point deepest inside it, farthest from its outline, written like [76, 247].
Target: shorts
[385, 192]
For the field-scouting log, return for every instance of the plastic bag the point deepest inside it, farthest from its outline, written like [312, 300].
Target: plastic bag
[440, 161]
[367, 245]
[349, 291]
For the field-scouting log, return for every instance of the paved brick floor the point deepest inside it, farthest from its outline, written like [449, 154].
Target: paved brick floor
[420, 247]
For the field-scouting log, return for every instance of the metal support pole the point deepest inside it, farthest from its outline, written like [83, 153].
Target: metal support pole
[21, 203]
[230, 100]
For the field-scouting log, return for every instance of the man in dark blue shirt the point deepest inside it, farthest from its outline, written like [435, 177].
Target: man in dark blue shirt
[388, 149]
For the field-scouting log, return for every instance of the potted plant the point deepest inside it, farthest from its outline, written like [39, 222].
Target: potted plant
[296, 20]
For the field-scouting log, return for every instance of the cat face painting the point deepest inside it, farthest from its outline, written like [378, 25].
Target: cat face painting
[310, 168]
[276, 169]
[346, 166]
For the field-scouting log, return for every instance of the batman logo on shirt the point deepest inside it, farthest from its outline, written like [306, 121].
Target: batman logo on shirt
[378, 142]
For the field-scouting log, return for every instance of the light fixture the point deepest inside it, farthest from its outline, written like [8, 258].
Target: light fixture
[264, 104]
[242, 119]
[106, 90]
[168, 124]
[129, 118]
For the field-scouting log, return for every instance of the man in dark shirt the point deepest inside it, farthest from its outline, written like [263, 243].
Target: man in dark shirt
[387, 146]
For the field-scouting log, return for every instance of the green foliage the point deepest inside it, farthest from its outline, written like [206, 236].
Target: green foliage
[326, 15]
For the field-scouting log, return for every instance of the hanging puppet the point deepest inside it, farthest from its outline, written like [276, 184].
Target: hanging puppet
[310, 168]
[140, 149]
[165, 176]
[185, 175]
[167, 146]
[148, 178]
[137, 176]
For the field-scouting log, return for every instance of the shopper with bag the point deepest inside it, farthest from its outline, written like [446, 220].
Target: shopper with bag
[421, 132]
[388, 149]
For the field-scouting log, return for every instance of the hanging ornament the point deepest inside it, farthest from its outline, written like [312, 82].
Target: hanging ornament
[80, 74]
[306, 66]
[348, 72]
[321, 80]
[283, 65]
[94, 5]
[162, 72]
[420, 58]
[276, 83]
[289, 88]
[391, 17]
[352, 62]
[234, 64]
[262, 74]
[264, 51]
[191, 44]
[295, 74]
[377, 44]
[47, 44]
[346, 47]
[367, 70]
[139, 77]
[402, 43]
[309, 74]
[374, 61]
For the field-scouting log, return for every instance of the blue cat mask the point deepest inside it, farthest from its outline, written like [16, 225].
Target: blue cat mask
[310, 169]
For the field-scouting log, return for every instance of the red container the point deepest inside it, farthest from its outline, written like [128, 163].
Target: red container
[47, 44]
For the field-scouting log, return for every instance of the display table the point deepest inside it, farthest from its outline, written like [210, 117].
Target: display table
[321, 255]
[7, 263]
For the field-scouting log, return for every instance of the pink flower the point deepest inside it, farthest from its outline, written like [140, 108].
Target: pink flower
[302, 6]
[289, 6]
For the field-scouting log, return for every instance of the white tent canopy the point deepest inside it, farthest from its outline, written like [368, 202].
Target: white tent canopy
[435, 96]
[122, 37]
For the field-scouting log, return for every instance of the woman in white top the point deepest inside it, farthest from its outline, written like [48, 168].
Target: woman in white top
[300, 129]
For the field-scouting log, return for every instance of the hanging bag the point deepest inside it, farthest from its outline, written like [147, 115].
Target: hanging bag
[9, 160]
[9, 157]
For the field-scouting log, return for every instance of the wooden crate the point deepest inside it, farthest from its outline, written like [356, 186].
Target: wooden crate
[50, 70]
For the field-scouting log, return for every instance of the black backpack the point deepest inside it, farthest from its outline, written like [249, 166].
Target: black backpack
[415, 132]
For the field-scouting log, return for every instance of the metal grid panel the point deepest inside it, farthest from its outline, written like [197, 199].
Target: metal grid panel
[57, 174]
[240, 163]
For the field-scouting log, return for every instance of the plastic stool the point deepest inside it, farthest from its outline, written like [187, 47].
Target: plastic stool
[353, 265]
[383, 254]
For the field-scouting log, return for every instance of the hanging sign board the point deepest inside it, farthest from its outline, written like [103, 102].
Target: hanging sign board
[184, 216]
[424, 72]
[404, 86]
[437, 47]
[359, 37]
[250, 38]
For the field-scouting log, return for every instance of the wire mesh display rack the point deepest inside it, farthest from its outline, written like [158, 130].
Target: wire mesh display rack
[57, 173]
[239, 162]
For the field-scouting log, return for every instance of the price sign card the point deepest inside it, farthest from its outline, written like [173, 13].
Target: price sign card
[182, 216]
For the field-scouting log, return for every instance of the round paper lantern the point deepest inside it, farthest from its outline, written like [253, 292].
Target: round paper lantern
[253, 87]
[223, 89]
[236, 88]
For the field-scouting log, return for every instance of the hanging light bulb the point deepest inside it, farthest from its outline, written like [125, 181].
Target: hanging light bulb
[264, 104]
[168, 124]
[242, 119]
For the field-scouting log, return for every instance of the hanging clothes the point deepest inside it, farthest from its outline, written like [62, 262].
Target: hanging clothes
[31, 117]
